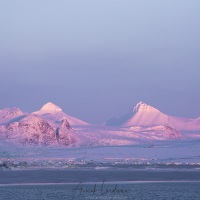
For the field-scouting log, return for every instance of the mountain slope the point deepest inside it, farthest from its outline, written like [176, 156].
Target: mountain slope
[142, 115]
[185, 123]
[33, 130]
[116, 136]
[49, 126]
[53, 113]
[10, 114]
[145, 115]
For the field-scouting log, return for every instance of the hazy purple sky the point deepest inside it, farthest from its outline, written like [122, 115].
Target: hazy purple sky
[97, 59]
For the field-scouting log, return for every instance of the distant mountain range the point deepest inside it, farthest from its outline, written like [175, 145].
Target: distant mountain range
[51, 126]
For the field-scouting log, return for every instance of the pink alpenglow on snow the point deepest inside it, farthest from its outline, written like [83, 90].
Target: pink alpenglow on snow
[10, 114]
[48, 126]
[146, 115]
[52, 112]
[51, 126]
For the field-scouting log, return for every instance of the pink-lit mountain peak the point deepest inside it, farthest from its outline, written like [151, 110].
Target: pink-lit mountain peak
[51, 108]
[53, 113]
[141, 115]
[143, 107]
[145, 115]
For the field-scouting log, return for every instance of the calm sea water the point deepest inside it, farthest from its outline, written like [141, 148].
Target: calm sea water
[103, 191]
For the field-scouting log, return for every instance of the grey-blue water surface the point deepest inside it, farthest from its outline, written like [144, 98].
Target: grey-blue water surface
[103, 191]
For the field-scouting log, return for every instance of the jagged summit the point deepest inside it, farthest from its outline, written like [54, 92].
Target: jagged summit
[141, 106]
[50, 107]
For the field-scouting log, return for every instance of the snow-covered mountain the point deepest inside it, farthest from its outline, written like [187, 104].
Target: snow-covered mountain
[142, 115]
[37, 131]
[51, 126]
[146, 115]
[53, 113]
[48, 126]
[10, 114]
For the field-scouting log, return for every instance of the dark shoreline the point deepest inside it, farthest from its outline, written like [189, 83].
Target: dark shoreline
[92, 175]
